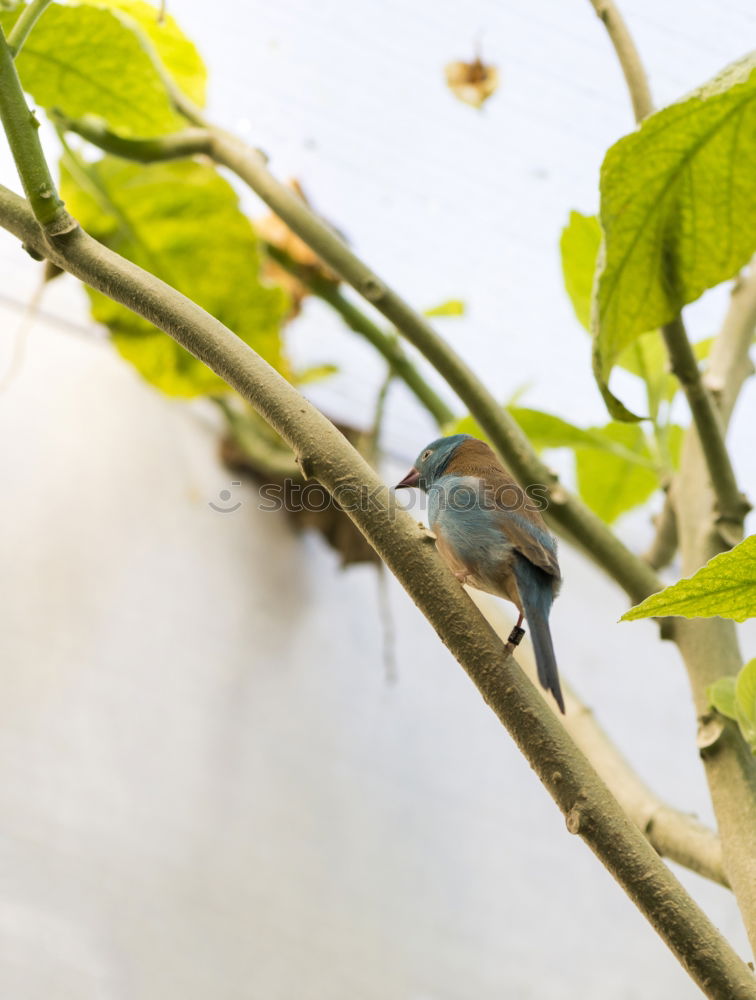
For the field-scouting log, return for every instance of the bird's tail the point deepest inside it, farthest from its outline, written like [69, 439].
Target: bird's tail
[537, 594]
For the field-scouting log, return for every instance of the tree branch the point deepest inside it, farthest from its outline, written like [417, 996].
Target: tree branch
[731, 503]
[673, 834]
[565, 511]
[709, 647]
[664, 545]
[323, 452]
[21, 129]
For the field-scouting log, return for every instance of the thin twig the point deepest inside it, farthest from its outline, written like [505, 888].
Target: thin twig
[386, 344]
[589, 808]
[662, 550]
[628, 56]
[28, 17]
[731, 503]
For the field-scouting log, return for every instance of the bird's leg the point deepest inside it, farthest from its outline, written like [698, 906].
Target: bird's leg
[462, 576]
[517, 633]
[428, 535]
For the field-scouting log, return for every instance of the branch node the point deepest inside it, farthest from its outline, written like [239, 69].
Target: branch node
[710, 729]
[573, 820]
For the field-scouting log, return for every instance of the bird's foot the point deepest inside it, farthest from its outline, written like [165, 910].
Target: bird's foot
[428, 535]
[515, 636]
[462, 577]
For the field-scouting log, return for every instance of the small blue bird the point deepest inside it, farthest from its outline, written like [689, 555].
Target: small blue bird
[490, 534]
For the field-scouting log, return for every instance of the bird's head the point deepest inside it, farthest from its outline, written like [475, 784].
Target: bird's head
[432, 461]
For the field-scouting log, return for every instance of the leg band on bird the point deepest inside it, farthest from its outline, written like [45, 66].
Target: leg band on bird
[516, 635]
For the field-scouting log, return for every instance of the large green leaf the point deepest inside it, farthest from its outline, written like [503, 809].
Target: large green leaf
[678, 210]
[612, 484]
[176, 52]
[725, 587]
[182, 222]
[85, 60]
[579, 247]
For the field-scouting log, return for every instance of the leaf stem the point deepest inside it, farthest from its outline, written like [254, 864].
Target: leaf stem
[23, 26]
[21, 129]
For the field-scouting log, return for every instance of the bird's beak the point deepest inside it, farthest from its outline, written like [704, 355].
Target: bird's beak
[411, 479]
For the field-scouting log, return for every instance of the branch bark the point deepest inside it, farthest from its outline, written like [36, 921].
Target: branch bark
[672, 833]
[589, 808]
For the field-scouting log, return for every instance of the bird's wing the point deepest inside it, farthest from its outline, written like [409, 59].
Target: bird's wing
[520, 520]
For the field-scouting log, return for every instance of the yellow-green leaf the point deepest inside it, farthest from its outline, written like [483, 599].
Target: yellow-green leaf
[721, 695]
[579, 247]
[182, 222]
[678, 209]
[85, 60]
[612, 484]
[745, 691]
[452, 307]
[175, 51]
[725, 587]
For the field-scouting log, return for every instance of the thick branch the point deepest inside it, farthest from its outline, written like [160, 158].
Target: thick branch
[710, 514]
[710, 646]
[565, 512]
[673, 834]
[323, 452]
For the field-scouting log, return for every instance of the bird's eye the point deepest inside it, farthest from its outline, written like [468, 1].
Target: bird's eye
[426, 455]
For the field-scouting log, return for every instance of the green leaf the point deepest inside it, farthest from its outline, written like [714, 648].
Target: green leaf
[175, 51]
[579, 247]
[725, 587]
[678, 210]
[452, 307]
[735, 698]
[612, 484]
[85, 61]
[745, 691]
[182, 222]
[315, 373]
[721, 695]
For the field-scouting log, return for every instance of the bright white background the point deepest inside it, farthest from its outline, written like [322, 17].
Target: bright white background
[208, 788]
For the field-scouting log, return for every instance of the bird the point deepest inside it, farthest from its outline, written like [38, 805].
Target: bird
[491, 535]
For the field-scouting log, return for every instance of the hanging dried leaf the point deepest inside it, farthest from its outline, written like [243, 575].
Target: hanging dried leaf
[472, 82]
